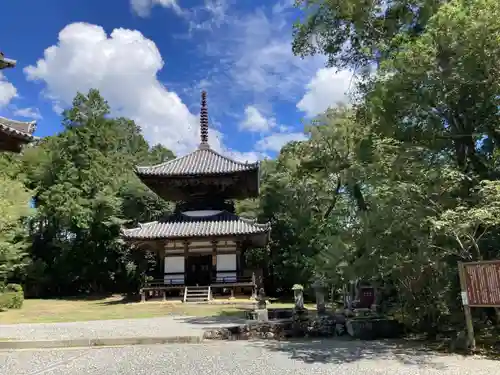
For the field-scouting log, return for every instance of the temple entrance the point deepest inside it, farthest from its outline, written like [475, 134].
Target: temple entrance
[199, 270]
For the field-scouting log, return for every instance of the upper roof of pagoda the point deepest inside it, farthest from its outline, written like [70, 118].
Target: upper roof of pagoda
[198, 168]
[5, 62]
[203, 161]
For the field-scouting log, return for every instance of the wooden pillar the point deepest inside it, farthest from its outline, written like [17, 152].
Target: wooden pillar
[467, 311]
[214, 260]
[186, 263]
[161, 259]
[239, 271]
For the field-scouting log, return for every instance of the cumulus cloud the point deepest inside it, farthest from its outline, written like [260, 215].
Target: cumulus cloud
[328, 87]
[7, 91]
[123, 67]
[143, 7]
[276, 141]
[255, 121]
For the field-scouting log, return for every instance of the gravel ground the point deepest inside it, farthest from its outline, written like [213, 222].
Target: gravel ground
[152, 327]
[245, 358]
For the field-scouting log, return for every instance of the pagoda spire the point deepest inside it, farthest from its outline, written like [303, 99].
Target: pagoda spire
[204, 121]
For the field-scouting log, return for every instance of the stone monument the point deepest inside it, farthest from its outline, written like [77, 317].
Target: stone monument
[319, 288]
[300, 321]
[261, 310]
[298, 294]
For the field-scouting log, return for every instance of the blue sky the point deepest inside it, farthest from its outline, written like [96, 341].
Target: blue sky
[151, 58]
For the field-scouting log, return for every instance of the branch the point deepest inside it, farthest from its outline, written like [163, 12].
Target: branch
[334, 201]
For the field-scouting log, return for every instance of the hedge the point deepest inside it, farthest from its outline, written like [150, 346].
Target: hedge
[11, 297]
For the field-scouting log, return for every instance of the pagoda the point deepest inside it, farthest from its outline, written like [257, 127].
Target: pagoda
[200, 247]
[14, 134]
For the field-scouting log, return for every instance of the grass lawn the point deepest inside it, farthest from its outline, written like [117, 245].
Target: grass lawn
[71, 310]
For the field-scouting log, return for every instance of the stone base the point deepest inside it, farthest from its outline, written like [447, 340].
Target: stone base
[262, 315]
[322, 326]
[373, 328]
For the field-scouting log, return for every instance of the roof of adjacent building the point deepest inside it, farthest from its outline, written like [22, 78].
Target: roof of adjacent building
[203, 161]
[5, 62]
[197, 224]
[18, 129]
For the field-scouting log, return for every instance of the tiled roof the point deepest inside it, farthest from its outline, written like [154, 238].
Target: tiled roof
[221, 223]
[18, 129]
[203, 161]
[5, 62]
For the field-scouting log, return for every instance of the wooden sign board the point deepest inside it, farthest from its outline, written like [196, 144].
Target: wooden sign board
[482, 283]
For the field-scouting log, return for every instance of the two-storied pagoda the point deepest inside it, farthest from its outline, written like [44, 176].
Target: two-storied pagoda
[200, 247]
[14, 134]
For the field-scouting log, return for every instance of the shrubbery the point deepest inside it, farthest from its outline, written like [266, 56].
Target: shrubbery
[11, 297]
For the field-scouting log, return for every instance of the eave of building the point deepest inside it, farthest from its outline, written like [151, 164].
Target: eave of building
[211, 225]
[20, 130]
[202, 162]
[6, 63]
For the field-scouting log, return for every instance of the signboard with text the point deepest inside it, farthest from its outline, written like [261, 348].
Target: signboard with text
[482, 282]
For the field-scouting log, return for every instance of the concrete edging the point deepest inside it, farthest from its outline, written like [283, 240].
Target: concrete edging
[97, 342]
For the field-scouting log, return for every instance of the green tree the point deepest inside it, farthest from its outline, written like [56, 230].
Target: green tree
[85, 191]
[14, 209]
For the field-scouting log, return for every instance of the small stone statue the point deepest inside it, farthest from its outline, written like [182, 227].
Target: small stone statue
[319, 289]
[261, 299]
[298, 293]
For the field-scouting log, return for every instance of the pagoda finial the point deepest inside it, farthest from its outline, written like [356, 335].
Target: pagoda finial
[204, 121]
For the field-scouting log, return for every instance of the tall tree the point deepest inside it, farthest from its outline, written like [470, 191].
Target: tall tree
[85, 190]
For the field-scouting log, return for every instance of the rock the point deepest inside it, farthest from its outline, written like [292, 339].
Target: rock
[373, 328]
[262, 315]
[460, 343]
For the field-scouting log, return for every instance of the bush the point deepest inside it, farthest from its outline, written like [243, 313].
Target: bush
[11, 297]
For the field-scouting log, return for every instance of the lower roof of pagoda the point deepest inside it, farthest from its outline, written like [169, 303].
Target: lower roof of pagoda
[197, 224]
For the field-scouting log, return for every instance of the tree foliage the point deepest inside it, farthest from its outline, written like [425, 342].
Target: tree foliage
[84, 192]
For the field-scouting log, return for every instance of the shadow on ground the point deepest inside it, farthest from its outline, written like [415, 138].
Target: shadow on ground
[345, 350]
[123, 300]
[223, 317]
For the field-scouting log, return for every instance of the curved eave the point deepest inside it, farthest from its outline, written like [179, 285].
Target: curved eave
[9, 127]
[202, 162]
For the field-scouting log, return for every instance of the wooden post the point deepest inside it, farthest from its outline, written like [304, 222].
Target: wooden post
[214, 261]
[186, 262]
[467, 311]
[239, 271]
[161, 258]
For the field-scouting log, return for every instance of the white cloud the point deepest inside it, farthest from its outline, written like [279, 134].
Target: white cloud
[29, 112]
[124, 68]
[328, 87]
[143, 7]
[276, 141]
[255, 121]
[252, 57]
[7, 91]
[208, 17]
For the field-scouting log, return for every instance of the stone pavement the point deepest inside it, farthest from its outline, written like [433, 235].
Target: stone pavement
[169, 329]
[321, 357]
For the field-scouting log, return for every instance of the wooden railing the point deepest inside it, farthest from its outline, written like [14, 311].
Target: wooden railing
[158, 283]
[219, 279]
[232, 278]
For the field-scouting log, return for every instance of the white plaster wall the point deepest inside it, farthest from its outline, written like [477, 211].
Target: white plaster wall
[174, 265]
[226, 262]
